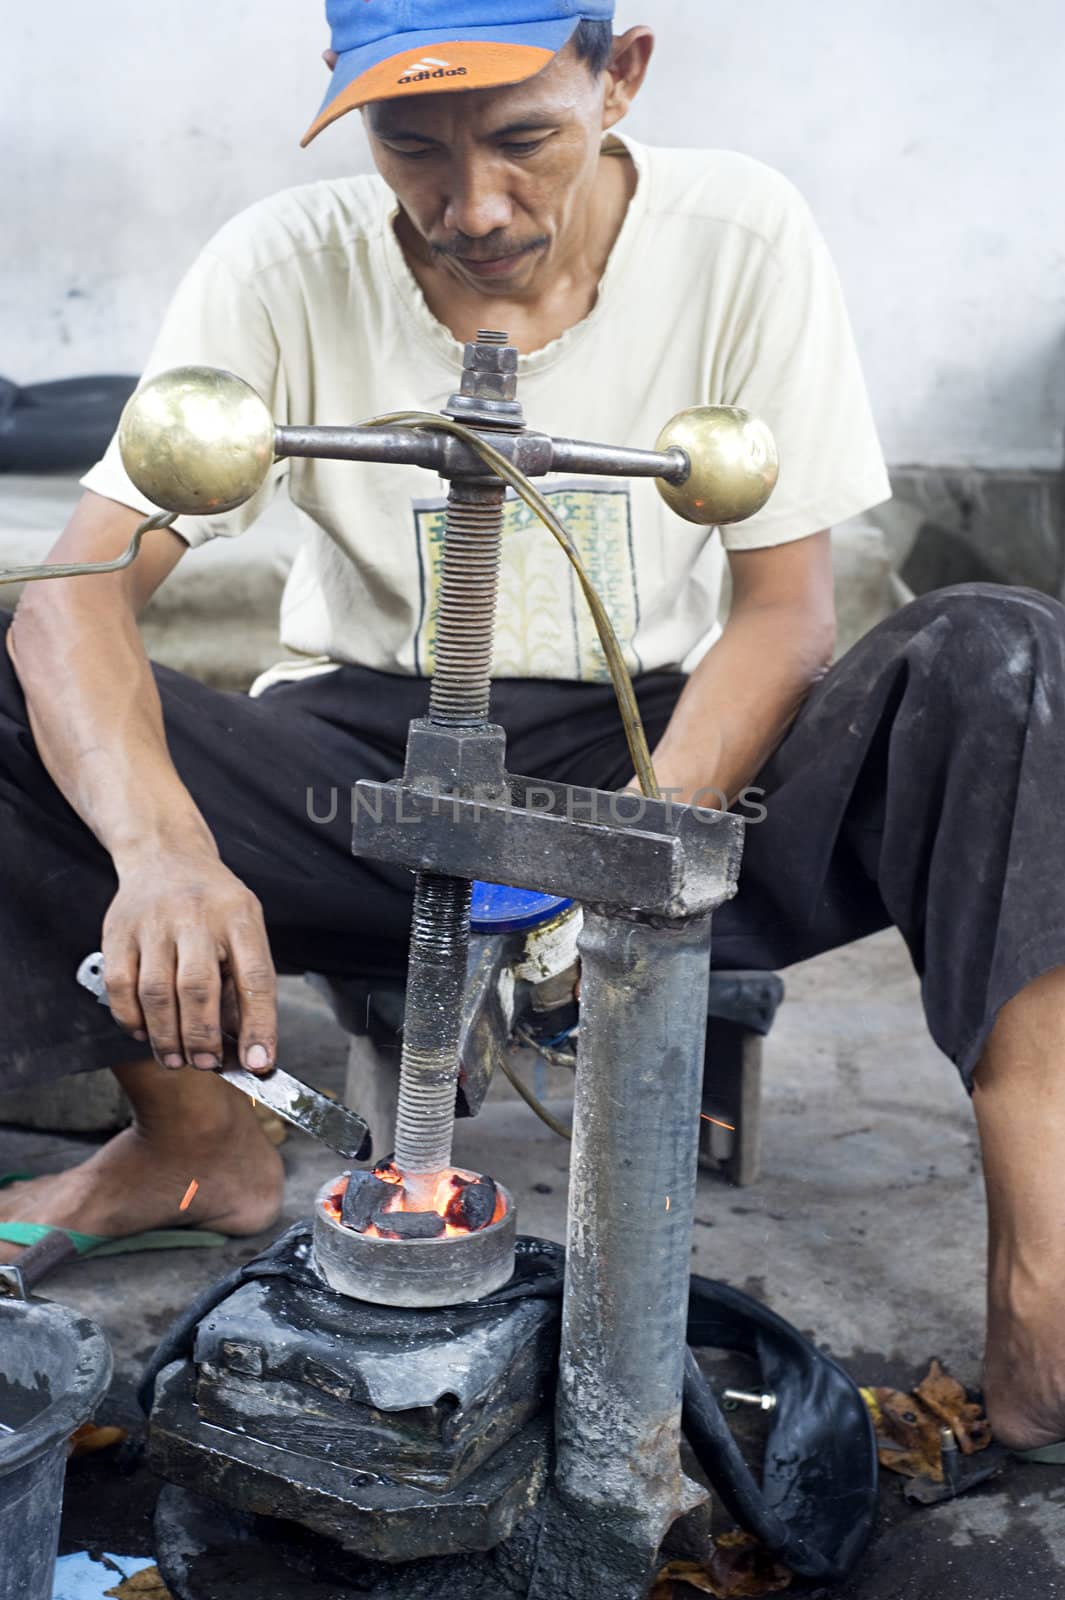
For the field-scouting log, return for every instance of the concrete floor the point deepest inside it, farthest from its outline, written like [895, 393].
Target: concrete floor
[867, 1229]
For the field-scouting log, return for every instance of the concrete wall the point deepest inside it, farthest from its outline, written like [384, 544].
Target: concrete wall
[928, 139]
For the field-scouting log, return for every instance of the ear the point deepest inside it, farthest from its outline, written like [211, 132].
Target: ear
[330, 58]
[626, 71]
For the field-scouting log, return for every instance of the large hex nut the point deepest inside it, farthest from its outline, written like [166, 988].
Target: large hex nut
[458, 762]
[490, 371]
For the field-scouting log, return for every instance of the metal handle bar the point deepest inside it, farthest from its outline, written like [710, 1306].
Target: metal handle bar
[534, 454]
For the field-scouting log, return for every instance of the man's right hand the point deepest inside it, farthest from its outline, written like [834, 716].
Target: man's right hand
[187, 960]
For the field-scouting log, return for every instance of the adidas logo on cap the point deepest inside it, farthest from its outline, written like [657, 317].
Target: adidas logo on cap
[430, 67]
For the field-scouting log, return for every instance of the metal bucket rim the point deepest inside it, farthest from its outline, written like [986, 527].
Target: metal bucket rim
[88, 1382]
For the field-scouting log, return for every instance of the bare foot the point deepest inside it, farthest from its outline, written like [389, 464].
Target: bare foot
[188, 1125]
[1017, 1423]
[1024, 1384]
[1019, 1100]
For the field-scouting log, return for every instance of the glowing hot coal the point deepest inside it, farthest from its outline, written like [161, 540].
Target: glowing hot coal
[379, 1205]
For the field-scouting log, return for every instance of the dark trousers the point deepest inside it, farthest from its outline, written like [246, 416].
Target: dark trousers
[923, 784]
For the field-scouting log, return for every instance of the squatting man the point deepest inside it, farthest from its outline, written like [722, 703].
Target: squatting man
[916, 782]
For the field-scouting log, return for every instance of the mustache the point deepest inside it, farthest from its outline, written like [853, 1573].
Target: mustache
[462, 249]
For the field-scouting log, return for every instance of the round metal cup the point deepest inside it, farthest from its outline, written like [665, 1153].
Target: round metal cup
[417, 1273]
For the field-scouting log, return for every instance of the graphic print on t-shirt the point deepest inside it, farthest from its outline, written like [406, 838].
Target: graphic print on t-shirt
[543, 625]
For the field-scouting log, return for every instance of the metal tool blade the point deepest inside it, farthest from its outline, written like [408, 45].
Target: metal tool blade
[334, 1125]
[331, 1124]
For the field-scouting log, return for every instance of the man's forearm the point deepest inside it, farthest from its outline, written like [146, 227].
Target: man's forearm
[740, 701]
[186, 950]
[92, 701]
[97, 723]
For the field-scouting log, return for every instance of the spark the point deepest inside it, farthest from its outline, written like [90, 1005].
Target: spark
[717, 1122]
[667, 1202]
[190, 1195]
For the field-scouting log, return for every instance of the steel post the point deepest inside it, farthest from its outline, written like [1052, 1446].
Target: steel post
[618, 1484]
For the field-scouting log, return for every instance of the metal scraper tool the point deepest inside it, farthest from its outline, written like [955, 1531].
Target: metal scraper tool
[331, 1124]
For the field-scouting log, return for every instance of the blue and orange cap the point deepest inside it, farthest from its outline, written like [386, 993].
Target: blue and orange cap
[388, 49]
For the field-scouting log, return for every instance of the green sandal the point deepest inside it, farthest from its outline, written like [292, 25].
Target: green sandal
[94, 1244]
[1052, 1455]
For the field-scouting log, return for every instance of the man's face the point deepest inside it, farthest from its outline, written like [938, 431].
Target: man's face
[493, 180]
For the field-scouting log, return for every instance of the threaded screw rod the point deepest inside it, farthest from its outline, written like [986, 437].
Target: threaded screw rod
[465, 628]
[440, 928]
[436, 981]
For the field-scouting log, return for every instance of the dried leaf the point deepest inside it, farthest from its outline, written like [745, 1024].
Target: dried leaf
[908, 1425]
[146, 1585]
[747, 1568]
[88, 1439]
[946, 1399]
[685, 1572]
[908, 1436]
[739, 1569]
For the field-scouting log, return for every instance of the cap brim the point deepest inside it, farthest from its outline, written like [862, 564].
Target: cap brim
[429, 63]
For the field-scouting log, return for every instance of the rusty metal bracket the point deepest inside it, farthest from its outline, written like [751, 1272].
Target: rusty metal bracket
[617, 850]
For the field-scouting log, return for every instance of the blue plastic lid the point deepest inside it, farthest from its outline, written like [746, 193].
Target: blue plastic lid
[497, 909]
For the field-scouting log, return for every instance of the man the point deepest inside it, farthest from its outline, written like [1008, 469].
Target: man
[919, 782]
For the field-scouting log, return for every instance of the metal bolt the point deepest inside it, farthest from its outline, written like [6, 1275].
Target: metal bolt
[951, 1458]
[740, 1397]
[488, 396]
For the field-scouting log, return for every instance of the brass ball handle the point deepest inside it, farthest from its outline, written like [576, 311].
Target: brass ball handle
[733, 465]
[197, 441]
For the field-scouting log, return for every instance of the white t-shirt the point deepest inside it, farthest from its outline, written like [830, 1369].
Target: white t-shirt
[719, 290]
